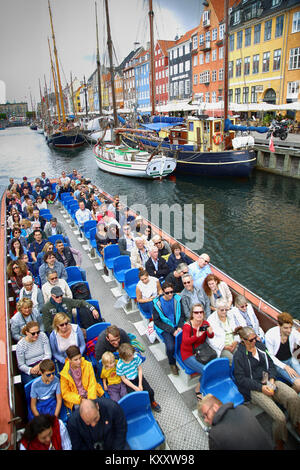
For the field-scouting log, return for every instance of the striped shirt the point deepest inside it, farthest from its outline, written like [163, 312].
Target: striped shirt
[29, 353]
[130, 370]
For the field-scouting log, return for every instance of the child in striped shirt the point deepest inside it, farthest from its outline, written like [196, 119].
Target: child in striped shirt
[130, 370]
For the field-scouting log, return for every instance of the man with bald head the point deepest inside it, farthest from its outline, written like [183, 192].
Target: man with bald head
[98, 425]
[200, 269]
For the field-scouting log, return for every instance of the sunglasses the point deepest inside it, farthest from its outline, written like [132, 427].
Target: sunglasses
[53, 278]
[50, 374]
[252, 339]
[198, 311]
[63, 324]
[57, 296]
[243, 306]
[186, 282]
[169, 292]
[35, 333]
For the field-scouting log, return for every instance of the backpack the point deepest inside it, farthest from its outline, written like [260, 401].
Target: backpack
[80, 290]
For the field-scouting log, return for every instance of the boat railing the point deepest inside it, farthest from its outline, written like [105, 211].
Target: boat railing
[8, 415]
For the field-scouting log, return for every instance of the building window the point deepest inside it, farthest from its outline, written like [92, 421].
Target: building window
[231, 42]
[294, 61]
[207, 57]
[238, 67]
[195, 42]
[201, 39]
[215, 34]
[214, 76]
[268, 30]
[181, 67]
[207, 36]
[253, 94]
[296, 22]
[246, 65]
[181, 88]
[246, 94]
[214, 55]
[230, 95]
[247, 37]
[236, 17]
[221, 74]
[230, 69]
[292, 90]
[187, 87]
[275, 3]
[266, 62]
[221, 31]
[201, 59]
[257, 29]
[221, 52]
[213, 97]
[237, 95]
[195, 79]
[239, 40]
[207, 97]
[195, 62]
[277, 59]
[279, 26]
[255, 64]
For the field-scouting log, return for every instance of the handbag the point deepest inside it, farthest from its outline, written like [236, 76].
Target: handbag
[203, 353]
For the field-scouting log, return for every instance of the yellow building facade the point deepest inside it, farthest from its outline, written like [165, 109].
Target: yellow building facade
[291, 79]
[258, 53]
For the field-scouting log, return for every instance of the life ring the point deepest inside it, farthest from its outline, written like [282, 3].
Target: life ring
[218, 138]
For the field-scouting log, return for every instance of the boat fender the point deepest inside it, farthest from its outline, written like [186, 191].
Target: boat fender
[218, 138]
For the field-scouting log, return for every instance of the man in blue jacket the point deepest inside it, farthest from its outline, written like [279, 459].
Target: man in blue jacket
[168, 320]
[98, 425]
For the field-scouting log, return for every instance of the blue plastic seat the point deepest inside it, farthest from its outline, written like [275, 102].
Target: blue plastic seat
[47, 216]
[216, 379]
[53, 238]
[110, 252]
[95, 330]
[121, 265]
[63, 196]
[131, 279]
[64, 412]
[143, 432]
[44, 211]
[177, 355]
[92, 237]
[87, 226]
[95, 303]
[74, 274]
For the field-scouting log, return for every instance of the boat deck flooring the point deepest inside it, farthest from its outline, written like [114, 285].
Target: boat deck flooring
[178, 417]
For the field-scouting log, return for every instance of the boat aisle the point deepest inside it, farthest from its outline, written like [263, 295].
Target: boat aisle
[178, 416]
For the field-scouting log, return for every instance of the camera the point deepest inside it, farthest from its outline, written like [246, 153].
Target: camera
[203, 328]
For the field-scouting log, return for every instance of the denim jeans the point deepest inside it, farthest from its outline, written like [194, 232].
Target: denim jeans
[193, 364]
[169, 341]
[292, 362]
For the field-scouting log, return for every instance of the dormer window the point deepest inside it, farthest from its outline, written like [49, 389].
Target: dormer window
[236, 17]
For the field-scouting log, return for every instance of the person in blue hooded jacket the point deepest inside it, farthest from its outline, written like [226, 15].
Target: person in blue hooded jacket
[168, 319]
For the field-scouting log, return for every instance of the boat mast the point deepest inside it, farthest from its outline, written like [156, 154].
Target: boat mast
[72, 95]
[57, 68]
[55, 85]
[98, 65]
[112, 79]
[152, 80]
[85, 97]
[47, 102]
[226, 6]
[42, 102]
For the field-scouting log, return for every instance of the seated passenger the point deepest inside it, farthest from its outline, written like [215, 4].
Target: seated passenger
[281, 341]
[67, 255]
[45, 432]
[139, 254]
[222, 322]
[17, 235]
[16, 270]
[16, 249]
[177, 256]
[50, 263]
[52, 281]
[126, 242]
[25, 313]
[216, 289]
[163, 246]
[36, 218]
[130, 370]
[147, 289]
[194, 332]
[175, 277]
[37, 245]
[31, 350]
[244, 315]
[45, 392]
[53, 227]
[112, 382]
[255, 376]
[31, 291]
[200, 269]
[82, 214]
[58, 304]
[168, 320]
[101, 237]
[77, 379]
[110, 340]
[157, 266]
[113, 233]
[40, 257]
[63, 335]
[191, 295]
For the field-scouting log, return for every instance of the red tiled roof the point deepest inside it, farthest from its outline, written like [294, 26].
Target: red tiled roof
[165, 45]
[218, 7]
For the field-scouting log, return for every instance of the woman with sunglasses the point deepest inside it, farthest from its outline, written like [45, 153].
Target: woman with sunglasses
[63, 335]
[255, 375]
[26, 313]
[194, 333]
[32, 349]
[244, 315]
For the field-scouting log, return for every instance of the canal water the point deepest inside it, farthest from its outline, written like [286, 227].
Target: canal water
[251, 227]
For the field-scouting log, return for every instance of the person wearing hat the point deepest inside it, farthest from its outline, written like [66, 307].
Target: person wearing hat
[60, 304]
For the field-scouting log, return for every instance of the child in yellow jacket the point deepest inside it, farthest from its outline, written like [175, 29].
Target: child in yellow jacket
[77, 379]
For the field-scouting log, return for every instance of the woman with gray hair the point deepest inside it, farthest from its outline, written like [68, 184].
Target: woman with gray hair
[255, 375]
[222, 322]
[244, 315]
[31, 291]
